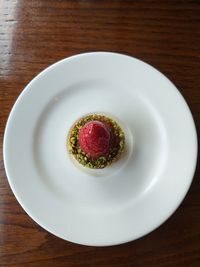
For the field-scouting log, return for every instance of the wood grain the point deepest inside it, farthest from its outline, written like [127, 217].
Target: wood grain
[35, 34]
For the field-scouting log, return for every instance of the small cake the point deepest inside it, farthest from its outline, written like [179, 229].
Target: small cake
[96, 141]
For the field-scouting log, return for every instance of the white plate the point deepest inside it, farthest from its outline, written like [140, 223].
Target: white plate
[132, 197]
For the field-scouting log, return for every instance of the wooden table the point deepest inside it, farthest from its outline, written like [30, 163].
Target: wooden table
[35, 34]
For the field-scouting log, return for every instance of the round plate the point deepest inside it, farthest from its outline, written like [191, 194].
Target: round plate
[133, 196]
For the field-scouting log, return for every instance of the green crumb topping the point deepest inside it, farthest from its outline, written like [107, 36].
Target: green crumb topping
[114, 152]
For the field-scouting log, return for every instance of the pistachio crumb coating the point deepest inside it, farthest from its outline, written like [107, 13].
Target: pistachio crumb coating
[115, 150]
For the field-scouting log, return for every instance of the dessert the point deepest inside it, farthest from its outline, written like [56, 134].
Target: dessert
[96, 141]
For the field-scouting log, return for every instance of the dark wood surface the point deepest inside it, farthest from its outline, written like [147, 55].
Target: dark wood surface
[35, 34]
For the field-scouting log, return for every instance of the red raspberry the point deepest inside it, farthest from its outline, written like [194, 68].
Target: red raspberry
[95, 139]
